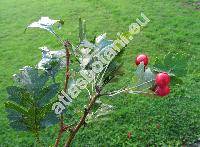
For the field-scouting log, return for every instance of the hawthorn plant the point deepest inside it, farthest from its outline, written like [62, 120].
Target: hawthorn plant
[36, 91]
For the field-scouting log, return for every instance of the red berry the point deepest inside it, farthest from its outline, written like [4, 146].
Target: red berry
[141, 58]
[162, 91]
[162, 79]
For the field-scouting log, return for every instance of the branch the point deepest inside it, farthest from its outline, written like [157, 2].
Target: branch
[82, 120]
[129, 89]
[67, 46]
[63, 128]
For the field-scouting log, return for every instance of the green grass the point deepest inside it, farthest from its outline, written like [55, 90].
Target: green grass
[174, 26]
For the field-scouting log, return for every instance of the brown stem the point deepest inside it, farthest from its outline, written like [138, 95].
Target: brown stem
[60, 132]
[82, 120]
[67, 46]
[63, 128]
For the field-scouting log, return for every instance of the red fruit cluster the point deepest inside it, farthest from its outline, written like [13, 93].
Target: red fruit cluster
[162, 79]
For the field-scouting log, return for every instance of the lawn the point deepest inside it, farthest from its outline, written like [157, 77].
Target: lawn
[174, 26]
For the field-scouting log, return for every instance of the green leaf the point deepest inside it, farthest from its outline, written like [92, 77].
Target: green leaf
[45, 23]
[82, 29]
[46, 109]
[29, 101]
[16, 120]
[48, 93]
[19, 95]
[177, 62]
[31, 79]
[101, 42]
[13, 115]
[114, 68]
[173, 63]
[18, 125]
[16, 107]
[140, 73]
[52, 61]
[149, 77]
[112, 72]
[145, 77]
[159, 65]
[49, 120]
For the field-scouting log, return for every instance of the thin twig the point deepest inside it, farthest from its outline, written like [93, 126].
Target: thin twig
[67, 46]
